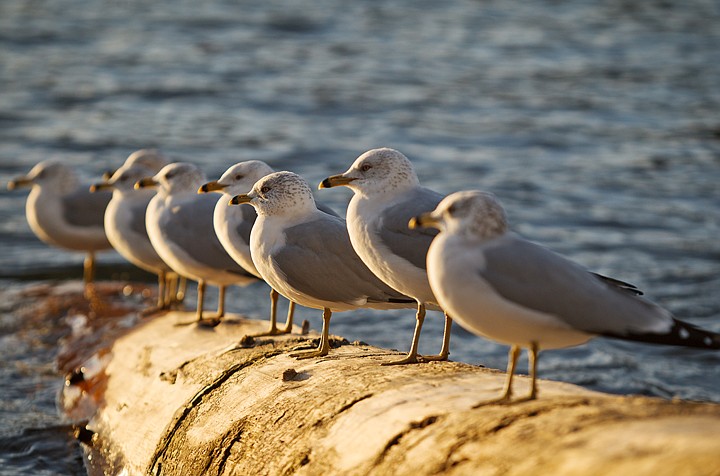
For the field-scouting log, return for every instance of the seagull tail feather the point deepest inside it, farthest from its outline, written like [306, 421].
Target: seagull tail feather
[680, 334]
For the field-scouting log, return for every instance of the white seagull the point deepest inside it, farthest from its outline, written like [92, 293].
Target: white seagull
[500, 286]
[387, 194]
[179, 224]
[148, 158]
[306, 255]
[233, 225]
[125, 225]
[62, 212]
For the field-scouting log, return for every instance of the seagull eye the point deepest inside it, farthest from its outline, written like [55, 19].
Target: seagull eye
[365, 167]
[169, 175]
[265, 189]
[238, 177]
[452, 209]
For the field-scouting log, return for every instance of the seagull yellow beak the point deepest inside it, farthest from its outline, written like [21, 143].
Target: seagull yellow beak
[100, 186]
[425, 220]
[19, 182]
[335, 181]
[213, 186]
[240, 199]
[146, 183]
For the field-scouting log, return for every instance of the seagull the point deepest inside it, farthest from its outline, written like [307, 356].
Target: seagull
[149, 158]
[125, 225]
[179, 224]
[500, 286]
[62, 212]
[233, 225]
[387, 194]
[306, 254]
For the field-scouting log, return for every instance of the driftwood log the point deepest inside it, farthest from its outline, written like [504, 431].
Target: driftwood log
[164, 399]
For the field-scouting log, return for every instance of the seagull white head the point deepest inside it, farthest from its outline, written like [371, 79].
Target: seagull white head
[239, 178]
[175, 179]
[124, 179]
[474, 214]
[279, 194]
[377, 171]
[48, 174]
[148, 158]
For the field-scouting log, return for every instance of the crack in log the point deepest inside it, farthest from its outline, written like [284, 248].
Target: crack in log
[185, 411]
[511, 419]
[416, 425]
[349, 405]
[226, 443]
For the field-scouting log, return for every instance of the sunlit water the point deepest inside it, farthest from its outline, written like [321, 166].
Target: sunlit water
[596, 123]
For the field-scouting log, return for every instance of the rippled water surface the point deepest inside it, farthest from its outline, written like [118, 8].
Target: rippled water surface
[596, 123]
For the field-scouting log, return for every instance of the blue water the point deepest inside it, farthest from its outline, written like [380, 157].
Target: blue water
[595, 122]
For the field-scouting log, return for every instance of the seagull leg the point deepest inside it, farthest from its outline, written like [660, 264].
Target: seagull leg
[533, 354]
[507, 392]
[324, 347]
[181, 288]
[445, 350]
[162, 303]
[200, 300]
[274, 331]
[289, 320]
[412, 356]
[89, 275]
[215, 319]
[89, 268]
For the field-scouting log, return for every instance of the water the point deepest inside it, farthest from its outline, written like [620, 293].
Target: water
[596, 123]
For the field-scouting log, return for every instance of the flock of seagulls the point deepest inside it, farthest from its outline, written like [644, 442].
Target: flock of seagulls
[400, 246]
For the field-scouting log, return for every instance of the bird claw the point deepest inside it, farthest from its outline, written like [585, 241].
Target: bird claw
[408, 359]
[309, 354]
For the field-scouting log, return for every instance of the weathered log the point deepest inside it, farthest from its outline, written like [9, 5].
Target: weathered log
[182, 400]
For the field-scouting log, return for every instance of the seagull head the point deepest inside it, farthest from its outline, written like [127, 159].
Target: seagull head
[377, 171]
[48, 174]
[239, 178]
[471, 213]
[123, 179]
[279, 194]
[149, 158]
[175, 179]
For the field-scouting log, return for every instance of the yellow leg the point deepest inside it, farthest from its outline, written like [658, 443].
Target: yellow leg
[507, 392]
[200, 300]
[162, 303]
[289, 320]
[445, 350]
[161, 290]
[512, 363]
[533, 354]
[89, 275]
[412, 356]
[89, 268]
[215, 319]
[324, 347]
[273, 331]
[221, 302]
[182, 288]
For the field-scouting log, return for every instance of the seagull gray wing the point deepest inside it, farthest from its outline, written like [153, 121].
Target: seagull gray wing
[137, 218]
[249, 215]
[412, 245]
[84, 208]
[326, 209]
[318, 260]
[190, 227]
[536, 278]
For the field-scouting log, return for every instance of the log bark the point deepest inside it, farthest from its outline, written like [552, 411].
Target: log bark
[181, 400]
